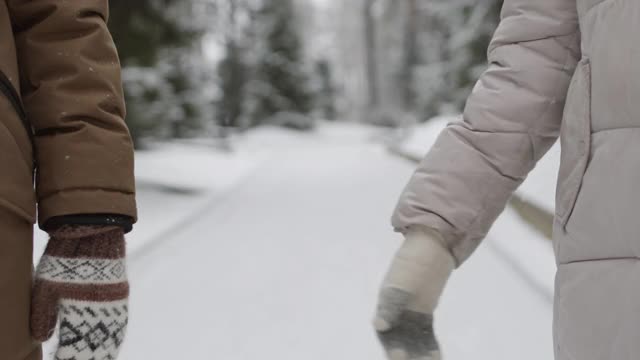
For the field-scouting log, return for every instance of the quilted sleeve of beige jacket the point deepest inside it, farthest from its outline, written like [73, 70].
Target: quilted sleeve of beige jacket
[511, 119]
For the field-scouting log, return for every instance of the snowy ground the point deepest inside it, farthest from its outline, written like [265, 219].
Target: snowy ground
[276, 252]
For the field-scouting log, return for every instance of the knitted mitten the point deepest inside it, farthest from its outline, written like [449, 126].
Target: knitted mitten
[81, 279]
[409, 296]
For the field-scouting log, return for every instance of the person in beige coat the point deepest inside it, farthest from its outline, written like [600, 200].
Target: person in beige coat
[557, 68]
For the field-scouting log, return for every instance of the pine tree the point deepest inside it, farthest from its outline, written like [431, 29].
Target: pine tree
[189, 77]
[467, 51]
[453, 39]
[142, 29]
[280, 82]
[149, 35]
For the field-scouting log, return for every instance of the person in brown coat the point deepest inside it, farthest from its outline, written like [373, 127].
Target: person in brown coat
[62, 128]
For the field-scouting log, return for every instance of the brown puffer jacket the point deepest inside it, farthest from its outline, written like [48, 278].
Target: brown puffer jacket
[545, 52]
[63, 111]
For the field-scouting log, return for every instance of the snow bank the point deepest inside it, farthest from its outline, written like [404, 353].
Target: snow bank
[176, 180]
[173, 181]
[540, 186]
[421, 138]
[270, 139]
[189, 167]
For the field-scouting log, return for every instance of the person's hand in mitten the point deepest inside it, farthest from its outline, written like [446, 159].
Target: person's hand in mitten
[409, 295]
[81, 281]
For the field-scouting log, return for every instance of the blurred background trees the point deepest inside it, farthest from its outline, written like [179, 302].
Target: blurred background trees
[164, 73]
[202, 66]
[280, 79]
[428, 55]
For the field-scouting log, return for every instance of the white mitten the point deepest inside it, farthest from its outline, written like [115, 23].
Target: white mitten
[409, 295]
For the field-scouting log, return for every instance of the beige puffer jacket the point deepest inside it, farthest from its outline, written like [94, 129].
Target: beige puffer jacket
[546, 51]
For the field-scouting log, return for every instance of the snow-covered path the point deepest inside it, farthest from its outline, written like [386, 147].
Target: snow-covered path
[286, 266]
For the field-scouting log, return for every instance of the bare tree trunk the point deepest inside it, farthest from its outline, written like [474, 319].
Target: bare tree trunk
[371, 53]
[410, 55]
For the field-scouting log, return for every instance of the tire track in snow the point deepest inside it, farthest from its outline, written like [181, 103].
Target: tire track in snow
[198, 213]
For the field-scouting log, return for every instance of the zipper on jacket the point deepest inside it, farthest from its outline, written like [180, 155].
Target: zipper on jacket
[7, 89]
[11, 94]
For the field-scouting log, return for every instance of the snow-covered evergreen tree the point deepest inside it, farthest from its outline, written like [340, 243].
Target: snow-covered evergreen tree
[452, 41]
[280, 77]
[158, 43]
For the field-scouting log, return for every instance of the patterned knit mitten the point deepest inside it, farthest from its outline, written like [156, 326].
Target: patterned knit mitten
[81, 279]
[409, 296]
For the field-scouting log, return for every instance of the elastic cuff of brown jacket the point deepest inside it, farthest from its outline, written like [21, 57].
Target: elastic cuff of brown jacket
[124, 222]
[74, 202]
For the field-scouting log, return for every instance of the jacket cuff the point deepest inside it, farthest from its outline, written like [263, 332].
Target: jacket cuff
[87, 202]
[55, 223]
